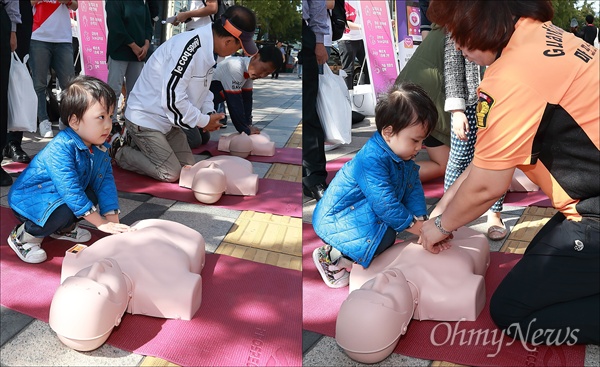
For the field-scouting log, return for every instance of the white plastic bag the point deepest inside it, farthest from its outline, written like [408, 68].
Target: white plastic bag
[22, 100]
[363, 99]
[334, 108]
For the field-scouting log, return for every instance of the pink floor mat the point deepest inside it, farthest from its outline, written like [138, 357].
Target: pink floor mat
[274, 196]
[321, 305]
[282, 155]
[250, 312]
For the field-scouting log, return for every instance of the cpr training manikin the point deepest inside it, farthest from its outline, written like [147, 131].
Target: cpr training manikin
[408, 282]
[153, 270]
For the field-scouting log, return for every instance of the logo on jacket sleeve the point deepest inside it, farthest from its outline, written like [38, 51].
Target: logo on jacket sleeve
[484, 105]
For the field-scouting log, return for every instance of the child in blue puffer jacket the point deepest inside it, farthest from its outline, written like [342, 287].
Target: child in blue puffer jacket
[378, 193]
[71, 178]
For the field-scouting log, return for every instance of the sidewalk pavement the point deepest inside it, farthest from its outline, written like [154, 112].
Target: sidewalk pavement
[25, 341]
[321, 350]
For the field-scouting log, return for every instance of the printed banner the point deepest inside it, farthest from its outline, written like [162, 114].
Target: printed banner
[379, 44]
[93, 37]
[408, 26]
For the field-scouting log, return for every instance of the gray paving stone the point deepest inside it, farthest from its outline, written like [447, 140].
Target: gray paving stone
[12, 323]
[37, 345]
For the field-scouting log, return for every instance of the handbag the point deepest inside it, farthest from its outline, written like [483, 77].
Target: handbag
[334, 108]
[22, 100]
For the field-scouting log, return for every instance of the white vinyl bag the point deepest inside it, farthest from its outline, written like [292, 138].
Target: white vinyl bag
[363, 99]
[22, 100]
[334, 108]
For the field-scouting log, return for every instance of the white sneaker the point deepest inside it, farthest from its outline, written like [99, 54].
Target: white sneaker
[76, 235]
[29, 252]
[46, 129]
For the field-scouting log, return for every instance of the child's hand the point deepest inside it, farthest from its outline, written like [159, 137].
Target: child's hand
[113, 228]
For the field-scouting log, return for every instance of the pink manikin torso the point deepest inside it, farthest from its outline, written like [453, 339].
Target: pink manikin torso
[448, 286]
[161, 261]
[238, 175]
[261, 144]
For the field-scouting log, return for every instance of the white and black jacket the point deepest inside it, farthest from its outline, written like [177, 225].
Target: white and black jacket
[174, 86]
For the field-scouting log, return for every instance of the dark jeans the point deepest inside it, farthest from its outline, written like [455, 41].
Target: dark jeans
[313, 137]
[349, 50]
[554, 289]
[60, 219]
[389, 238]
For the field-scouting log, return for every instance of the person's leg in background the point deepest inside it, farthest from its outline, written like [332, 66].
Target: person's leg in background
[438, 159]
[5, 23]
[116, 74]
[359, 47]
[13, 147]
[39, 63]
[347, 55]
[314, 172]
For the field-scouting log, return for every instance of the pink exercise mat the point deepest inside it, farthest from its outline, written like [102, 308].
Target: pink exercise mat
[282, 155]
[321, 305]
[274, 196]
[250, 313]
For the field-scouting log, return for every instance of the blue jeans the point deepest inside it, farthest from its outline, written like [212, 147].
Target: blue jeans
[46, 55]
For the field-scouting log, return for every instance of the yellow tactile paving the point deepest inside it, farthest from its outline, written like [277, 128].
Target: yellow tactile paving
[531, 221]
[269, 232]
[285, 172]
[261, 256]
[295, 140]
[156, 362]
[445, 364]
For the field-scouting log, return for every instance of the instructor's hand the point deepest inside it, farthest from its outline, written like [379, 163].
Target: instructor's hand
[213, 123]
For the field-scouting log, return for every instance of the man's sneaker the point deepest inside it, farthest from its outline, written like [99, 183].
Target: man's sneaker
[46, 129]
[118, 141]
[78, 234]
[334, 276]
[30, 252]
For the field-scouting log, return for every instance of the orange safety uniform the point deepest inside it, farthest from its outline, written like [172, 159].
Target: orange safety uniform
[538, 110]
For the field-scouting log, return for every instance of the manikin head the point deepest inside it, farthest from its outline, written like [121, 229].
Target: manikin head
[87, 306]
[372, 318]
[209, 184]
[241, 145]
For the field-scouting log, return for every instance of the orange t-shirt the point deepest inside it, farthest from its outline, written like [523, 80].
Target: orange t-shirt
[539, 110]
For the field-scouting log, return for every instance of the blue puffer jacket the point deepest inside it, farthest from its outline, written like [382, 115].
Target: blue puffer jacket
[60, 174]
[372, 192]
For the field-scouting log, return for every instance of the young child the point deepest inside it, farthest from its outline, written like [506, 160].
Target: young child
[378, 193]
[71, 178]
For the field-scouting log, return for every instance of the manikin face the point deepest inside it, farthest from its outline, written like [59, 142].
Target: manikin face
[407, 142]
[481, 58]
[258, 69]
[392, 285]
[106, 274]
[95, 124]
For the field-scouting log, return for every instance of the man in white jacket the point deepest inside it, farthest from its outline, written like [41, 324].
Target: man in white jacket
[172, 93]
